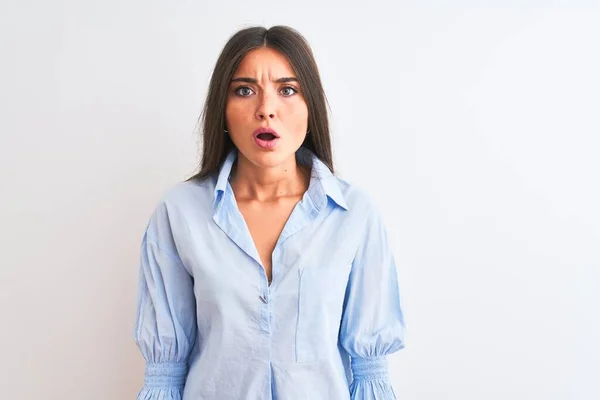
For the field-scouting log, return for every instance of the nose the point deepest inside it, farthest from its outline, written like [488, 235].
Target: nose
[266, 108]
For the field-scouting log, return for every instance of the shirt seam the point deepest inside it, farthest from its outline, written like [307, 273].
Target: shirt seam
[172, 256]
[362, 239]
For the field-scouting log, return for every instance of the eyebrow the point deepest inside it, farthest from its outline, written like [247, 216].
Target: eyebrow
[252, 80]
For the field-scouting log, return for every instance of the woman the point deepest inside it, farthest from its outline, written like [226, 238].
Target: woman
[265, 276]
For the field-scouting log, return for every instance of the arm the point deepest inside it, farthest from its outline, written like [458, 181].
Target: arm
[165, 328]
[373, 321]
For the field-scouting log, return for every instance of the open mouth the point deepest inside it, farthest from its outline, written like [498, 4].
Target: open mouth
[266, 136]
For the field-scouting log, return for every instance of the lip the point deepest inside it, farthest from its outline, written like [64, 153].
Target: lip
[266, 144]
[265, 129]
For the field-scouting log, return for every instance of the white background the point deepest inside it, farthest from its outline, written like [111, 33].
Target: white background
[475, 128]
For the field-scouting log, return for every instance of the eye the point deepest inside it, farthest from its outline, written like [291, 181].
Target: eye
[288, 91]
[243, 91]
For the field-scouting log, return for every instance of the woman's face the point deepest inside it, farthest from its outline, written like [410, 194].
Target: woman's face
[264, 93]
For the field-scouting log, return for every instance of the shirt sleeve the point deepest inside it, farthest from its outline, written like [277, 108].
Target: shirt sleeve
[165, 329]
[372, 321]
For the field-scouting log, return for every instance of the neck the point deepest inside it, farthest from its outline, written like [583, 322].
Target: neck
[252, 183]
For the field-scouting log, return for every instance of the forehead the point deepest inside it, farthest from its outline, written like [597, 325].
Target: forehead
[265, 61]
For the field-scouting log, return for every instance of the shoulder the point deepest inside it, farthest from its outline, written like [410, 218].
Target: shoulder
[357, 198]
[197, 192]
[184, 200]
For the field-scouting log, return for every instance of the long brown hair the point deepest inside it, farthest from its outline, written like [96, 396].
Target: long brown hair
[216, 143]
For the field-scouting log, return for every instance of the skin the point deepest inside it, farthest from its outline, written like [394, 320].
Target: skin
[267, 183]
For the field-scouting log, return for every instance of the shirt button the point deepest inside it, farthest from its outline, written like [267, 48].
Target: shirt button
[264, 299]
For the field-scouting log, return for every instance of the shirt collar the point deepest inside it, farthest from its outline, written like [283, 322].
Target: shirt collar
[323, 183]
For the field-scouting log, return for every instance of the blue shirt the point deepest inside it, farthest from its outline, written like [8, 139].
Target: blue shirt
[211, 327]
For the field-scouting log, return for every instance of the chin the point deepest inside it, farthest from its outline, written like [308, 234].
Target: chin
[268, 159]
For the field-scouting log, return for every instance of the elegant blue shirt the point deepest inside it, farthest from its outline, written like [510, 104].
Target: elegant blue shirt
[211, 327]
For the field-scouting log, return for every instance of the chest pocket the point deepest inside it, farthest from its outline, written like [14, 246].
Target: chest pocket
[321, 293]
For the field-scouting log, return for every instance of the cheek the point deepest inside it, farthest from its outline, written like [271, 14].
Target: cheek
[298, 111]
[235, 111]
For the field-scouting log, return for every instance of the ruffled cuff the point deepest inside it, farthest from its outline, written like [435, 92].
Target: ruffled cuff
[370, 379]
[163, 381]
